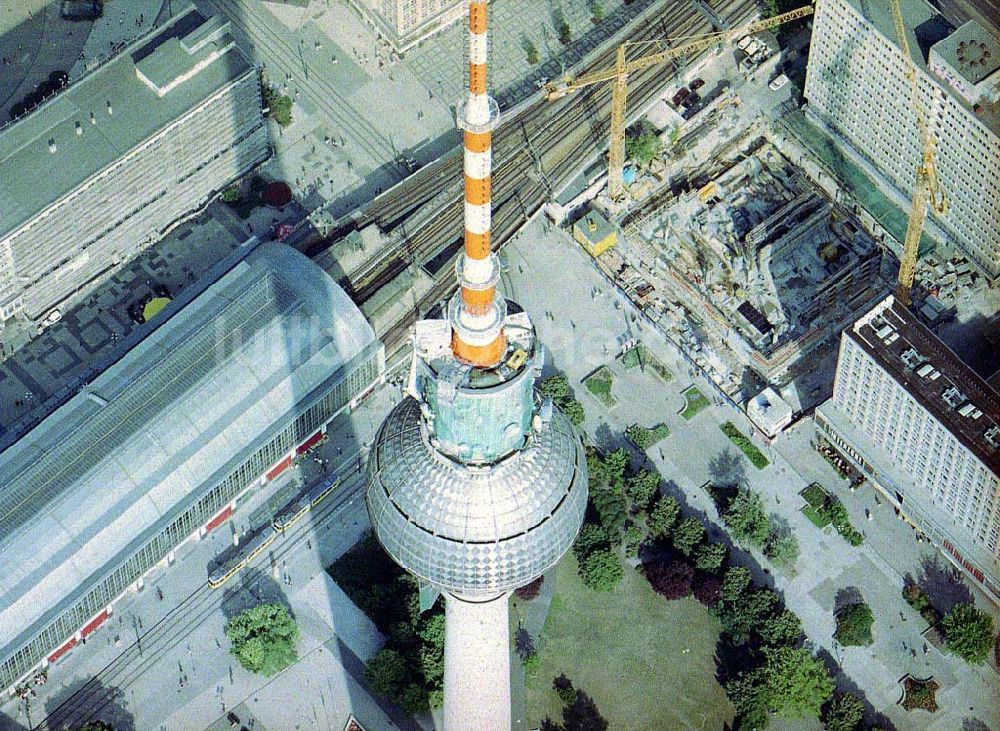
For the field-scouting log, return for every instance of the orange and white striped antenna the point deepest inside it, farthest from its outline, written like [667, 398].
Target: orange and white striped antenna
[476, 314]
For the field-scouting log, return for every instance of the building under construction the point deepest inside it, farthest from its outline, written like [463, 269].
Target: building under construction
[759, 261]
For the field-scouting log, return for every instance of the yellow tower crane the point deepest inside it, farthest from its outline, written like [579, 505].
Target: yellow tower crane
[926, 189]
[623, 68]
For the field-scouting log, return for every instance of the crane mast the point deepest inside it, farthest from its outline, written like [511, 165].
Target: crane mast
[623, 68]
[926, 190]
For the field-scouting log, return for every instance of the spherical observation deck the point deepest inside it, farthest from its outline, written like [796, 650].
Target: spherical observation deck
[475, 531]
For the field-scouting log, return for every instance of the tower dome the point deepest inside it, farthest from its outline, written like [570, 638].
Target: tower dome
[476, 531]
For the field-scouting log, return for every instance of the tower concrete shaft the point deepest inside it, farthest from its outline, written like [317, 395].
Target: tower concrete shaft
[477, 665]
[477, 320]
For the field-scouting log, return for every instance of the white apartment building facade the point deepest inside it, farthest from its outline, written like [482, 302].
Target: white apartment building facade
[102, 170]
[856, 87]
[405, 23]
[925, 430]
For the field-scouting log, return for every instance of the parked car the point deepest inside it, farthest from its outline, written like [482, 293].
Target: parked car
[696, 84]
[681, 95]
[779, 81]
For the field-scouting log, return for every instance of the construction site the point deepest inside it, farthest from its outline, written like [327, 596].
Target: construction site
[754, 268]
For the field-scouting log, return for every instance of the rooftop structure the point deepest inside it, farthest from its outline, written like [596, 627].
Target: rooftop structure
[119, 155]
[769, 412]
[477, 485]
[925, 429]
[155, 446]
[595, 233]
[857, 88]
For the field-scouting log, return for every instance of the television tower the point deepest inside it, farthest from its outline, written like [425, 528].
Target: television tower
[476, 483]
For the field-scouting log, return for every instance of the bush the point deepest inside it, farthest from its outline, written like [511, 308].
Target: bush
[573, 410]
[531, 51]
[563, 687]
[529, 591]
[565, 33]
[644, 438]
[231, 195]
[854, 625]
[598, 11]
[782, 548]
[743, 443]
[968, 633]
[643, 145]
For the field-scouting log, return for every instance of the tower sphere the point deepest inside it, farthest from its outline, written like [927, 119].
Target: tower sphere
[475, 531]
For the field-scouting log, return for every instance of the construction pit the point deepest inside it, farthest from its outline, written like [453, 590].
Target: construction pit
[756, 268]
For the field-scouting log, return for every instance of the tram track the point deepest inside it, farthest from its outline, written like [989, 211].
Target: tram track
[108, 685]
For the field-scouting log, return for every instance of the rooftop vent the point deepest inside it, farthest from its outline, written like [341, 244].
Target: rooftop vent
[993, 435]
[911, 358]
[110, 110]
[953, 397]
[52, 144]
[93, 119]
[925, 370]
[966, 410]
[976, 413]
[79, 129]
[885, 331]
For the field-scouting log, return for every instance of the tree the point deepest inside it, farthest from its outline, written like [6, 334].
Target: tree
[688, 534]
[582, 715]
[556, 387]
[601, 570]
[784, 628]
[95, 726]
[798, 683]
[573, 410]
[591, 538]
[611, 512]
[633, 539]
[598, 11]
[663, 516]
[263, 638]
[565, 33]
[531, 51]
[710, 557]
[854, 625]
[524, 645]
[386, 673]
[735, 582]
[748, 694]
[782, 548]
[615, 464]
[747, 520]
[843, 713]
[643, 144]
[968, 633]
[670, 578]
[707, 589]
[563, 687]
[279, 106]
[743, 617]
[642, 487]
[231, 195]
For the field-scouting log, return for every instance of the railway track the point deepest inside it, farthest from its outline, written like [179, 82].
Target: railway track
[110, 683]
[562, 135]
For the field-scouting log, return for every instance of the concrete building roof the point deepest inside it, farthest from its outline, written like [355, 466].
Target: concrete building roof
[971, 51]
[110, 111]
[594, 227]
[113, 466]
[925, 27]
[930, 372]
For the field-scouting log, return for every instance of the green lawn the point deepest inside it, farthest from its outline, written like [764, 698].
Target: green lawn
[696, 401]
[817, 518]
[625, 649]
[599, 384]
[644, 438]
[741, 440]
[640, 356]
[815, 495]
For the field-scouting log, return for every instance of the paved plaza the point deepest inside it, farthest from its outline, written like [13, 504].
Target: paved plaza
[587, 329]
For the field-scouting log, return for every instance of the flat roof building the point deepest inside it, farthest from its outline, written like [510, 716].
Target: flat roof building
[217, 400]
[104, 168]
[404, 23]
[925, 429]
[857, 88]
